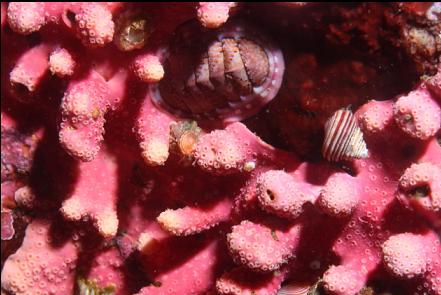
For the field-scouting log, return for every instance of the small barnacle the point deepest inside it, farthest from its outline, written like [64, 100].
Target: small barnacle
[184, 136]
[95, 113]
[249, 166]
[132, 30]
[187, 142]
[407, 118]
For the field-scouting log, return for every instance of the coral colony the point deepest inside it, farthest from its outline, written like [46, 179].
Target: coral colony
[220, 148]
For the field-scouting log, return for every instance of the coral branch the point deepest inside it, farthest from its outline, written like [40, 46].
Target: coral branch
[417, 114]
[214, 14]
[280, 194]
[43, 264]
[144, 180]
[148, 68]
[420, 186]
[83, 108]
[195, 275]
[153, 130]
[95, 195]
[242, 281]
[261, 248]
[107, 271]
[375, 116]
[30, 69]
[220, 152]
[341, 280]
[61, 63]
[339, 196]
[195, 219]
[25, 18]
[408, 255]
[94, 24]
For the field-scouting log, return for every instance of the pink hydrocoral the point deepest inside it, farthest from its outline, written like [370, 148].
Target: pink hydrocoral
[106, 270]
[153, 130]
[408, 255]
[220, 152]
[94, 24]
[45, 263]
[262, 248]
[191, 220]
[404, 255]
[214, 14]
[192, 264]
[280, 194]
[148, 68]
[26, 17]
[420, 185]
[169, 276]
[242, 281]
[95, 195]
[61, 63]
[377, 213]
[339, 196]
[377, 115]
[339, 280]
[83, 108]
[30, 69]
[418, 114]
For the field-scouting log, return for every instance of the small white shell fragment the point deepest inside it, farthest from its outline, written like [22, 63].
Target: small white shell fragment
[343, 138]
[249, 166]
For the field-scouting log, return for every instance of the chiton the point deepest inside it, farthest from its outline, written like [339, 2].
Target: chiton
[227, 74]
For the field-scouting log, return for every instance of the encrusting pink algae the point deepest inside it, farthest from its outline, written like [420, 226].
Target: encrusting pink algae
[174, 148]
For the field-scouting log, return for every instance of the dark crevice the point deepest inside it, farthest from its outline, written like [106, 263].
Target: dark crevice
[270, 195]
[70, 16]
[420, 192]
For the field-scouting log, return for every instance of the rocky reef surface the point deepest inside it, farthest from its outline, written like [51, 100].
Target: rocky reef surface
[220, 148]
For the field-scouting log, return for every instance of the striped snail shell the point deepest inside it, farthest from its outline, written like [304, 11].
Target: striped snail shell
[294, 289]
[226, 74]
[343, 138]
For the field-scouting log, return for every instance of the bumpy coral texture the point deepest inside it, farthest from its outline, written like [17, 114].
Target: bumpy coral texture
[105, 191]
[83, 107]
[95, 195]
[418, 114]
[214, 14]
[26, 18]
[94, 24]
[43, 264]
[61, 63]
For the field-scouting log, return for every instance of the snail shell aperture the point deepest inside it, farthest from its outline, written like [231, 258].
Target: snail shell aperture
[227, 74]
